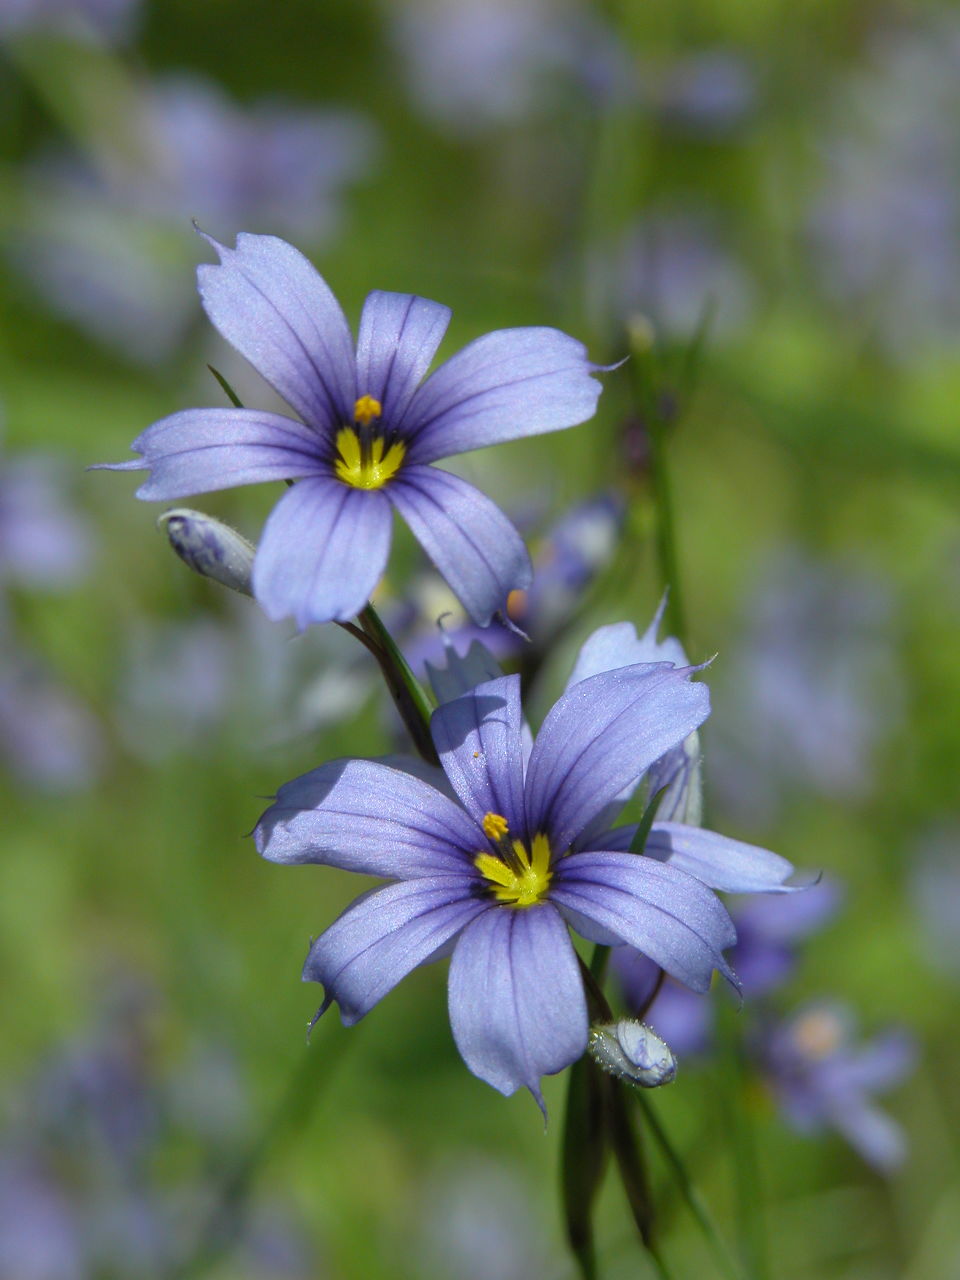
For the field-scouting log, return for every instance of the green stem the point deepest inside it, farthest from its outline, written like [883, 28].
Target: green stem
[584, 1157]
[694, 1201]
[408, 695]
[751, 1233]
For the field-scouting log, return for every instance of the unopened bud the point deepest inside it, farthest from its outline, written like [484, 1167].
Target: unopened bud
[633, 1052]
[210, 547]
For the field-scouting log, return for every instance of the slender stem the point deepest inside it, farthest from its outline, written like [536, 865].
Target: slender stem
[597, 1006]
[584, 1156]
[751, 1233]
[625, 1141]
[408, 695]
[695, 1203]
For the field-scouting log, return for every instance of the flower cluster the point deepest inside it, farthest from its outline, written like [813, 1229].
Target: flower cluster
[504, 842]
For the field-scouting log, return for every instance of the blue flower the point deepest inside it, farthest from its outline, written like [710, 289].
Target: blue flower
[369, 432]
[823, 1078]
[498, 876]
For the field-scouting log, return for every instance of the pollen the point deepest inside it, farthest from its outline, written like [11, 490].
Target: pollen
[521, 877]
[516, 604]
[495, 826]
[365, 465]
[366, 409]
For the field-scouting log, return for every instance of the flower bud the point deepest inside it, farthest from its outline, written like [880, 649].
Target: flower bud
[633, 1052]
[210, 547]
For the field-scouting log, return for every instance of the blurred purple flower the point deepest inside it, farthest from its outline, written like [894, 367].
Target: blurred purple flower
[109, 20]
[566, 559]
[39, 1235]
[769, 928]
[85, 1186]
[823, 1079]
[935, 888]
[44, 543]
[474, 65]
[48, 738]
[884, 229]
[369, 433]
[483, 1221]
[103, 241]
[183, 685]
[673, 269]
[498, 879]
[708, 94]
[810, 688]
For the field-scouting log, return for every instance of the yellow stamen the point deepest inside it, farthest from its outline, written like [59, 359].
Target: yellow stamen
[495, 826]
[365, 469]
[366, 409]
[525, 884]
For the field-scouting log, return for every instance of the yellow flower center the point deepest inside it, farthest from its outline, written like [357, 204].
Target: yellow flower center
[363, 460]
[517, 877]
[818, 1033]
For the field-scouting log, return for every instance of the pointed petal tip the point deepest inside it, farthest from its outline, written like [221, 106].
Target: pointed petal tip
[317, 1016]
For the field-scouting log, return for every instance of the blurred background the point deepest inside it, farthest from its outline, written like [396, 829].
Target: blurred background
[764, 200]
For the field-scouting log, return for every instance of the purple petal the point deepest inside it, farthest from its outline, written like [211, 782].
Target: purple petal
[718, 861]
[505, 385]
[788, 918]
[323, 551]
[199, 450]
[398, 338]
[478, 737]
[467, 537]
[878, 1139]
[363, 816]
[383, 936]
[877, 1065]
[517, 1007]
[276, 309]
[601, 736]
[459, 675]
[618, 645]
[666, 914]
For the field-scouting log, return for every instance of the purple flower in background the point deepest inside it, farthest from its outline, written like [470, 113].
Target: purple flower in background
[102, 240]
[707, 94]
[85, 1178]
[44, 542]
[233, 677]
[480, 1220]
[935, 888]
[884, 227]
[105, 19]
[474, 65]
[369, 432]
[566, 559]
[811, 686]
[674, 269]
[824, 1079]
[769, 929]
[499, 876]
[48, 738]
